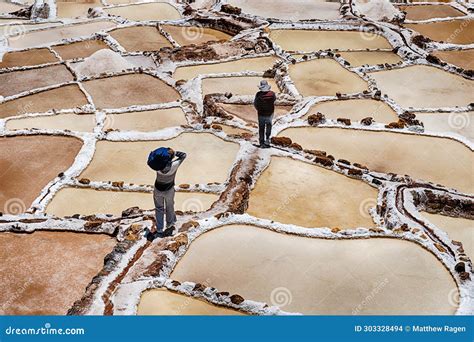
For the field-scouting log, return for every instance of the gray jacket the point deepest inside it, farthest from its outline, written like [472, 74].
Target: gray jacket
[165, 179]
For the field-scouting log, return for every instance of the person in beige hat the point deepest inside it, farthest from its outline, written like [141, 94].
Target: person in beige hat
[265, 105]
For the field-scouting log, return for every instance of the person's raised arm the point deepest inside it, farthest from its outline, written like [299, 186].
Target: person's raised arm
[181, 156]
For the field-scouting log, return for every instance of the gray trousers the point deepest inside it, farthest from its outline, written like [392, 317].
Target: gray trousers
[164, 201]
[264, 128]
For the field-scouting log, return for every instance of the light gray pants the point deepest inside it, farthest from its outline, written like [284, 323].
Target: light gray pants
[164, 200]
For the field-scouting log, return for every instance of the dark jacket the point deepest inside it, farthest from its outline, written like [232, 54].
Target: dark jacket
[265, 103]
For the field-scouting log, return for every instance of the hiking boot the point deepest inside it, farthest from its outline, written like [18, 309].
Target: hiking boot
[264, 145]
[168, 231]
[159, 235]
[150, 236]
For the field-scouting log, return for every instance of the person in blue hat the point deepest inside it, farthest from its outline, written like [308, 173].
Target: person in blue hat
[163, 162]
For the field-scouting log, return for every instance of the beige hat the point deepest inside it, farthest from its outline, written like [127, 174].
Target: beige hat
[264, 86]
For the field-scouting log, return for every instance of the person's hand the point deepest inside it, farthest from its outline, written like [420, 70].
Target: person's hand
[180, 155]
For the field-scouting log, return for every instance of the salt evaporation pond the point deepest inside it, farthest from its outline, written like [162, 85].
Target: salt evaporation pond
[355, 110]
[28, 164]
[48, 36]
[392, 152]
[315, 40]
[72, 122]
[70, 201]
[332, 78]
[146, 11]
[66, 97]
[201, 148]
[321, 277]
[299, 9]
[457, 228]
[167, 303]
[422, 86]
[298, 193]
[128, 90]
[249, 64]
[44, 273]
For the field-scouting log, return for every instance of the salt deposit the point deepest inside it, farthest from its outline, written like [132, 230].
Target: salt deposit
[377, 9]
[104, 60]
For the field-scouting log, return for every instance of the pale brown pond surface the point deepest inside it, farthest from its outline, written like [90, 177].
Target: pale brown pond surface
[446, 31]
[147, 11]
[318, 276]
[457, 228]
[147, 121]
[28, 164]
[167, 303]
[60, 98]
[423, 12]
[370, 58]
[214, 155]
[141, 38]
[422, 86]
[7, 7]
[249, 113]
[233, 130]
[128, 90]
[20, 81]
[331, 78]
[355, 110]
[248, 64]
[247, 85]
[36, 38]
[421, 157]
[72, 122]
[17, 28]
[75, 8]
[459, 123]
[44, 273]
[70, 201]
[80, 49]
[27, 58]
[298, 193]
[461, 58]
[315, 40]
[185, 35]
[298, 10]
